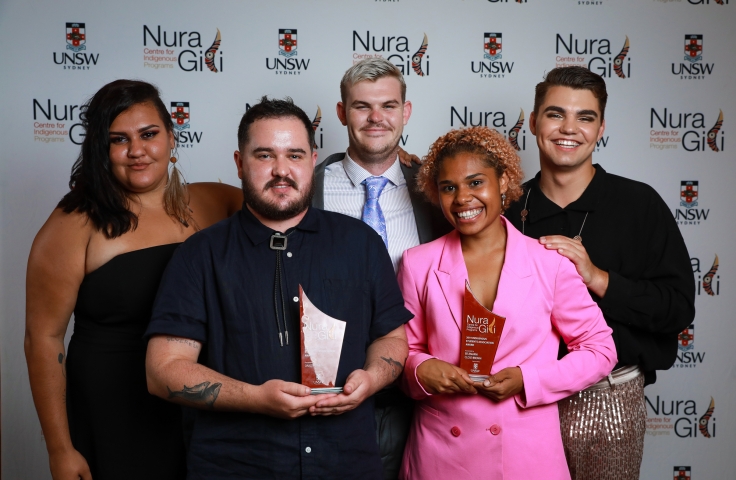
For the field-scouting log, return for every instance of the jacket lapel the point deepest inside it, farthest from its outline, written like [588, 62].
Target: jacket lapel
[318, 200]
[516, 274]
[451, 276]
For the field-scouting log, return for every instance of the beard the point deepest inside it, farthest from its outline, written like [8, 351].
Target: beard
[272, 210]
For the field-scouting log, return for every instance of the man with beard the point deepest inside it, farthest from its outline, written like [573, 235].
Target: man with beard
[224, 335]
[369, 183]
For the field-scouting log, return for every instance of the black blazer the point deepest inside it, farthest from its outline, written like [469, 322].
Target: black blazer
[431, 224]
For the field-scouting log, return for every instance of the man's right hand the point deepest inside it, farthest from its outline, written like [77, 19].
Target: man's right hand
[438, 377]
[280, 399]
[69, 466]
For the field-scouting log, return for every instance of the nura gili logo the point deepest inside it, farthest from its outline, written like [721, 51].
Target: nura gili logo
[57, 123]
[683, 418]
[180, 115]
[491, 65]
[408, 58]
[707, 2]
[286, 62]
[75, 56]
[287, 42]
[708, 283]
[682, 473]
[687, 356]
[164, 49]
[317, 129]
[468, 117]
[76, 37]
[669, 130]
[692, 67]
[596, 54]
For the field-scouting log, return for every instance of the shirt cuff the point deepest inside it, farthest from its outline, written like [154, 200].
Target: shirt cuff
[531, 393]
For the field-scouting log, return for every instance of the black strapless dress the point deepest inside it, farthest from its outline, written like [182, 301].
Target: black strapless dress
[123, 431]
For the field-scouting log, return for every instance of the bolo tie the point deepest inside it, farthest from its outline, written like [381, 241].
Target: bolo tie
[278, 244]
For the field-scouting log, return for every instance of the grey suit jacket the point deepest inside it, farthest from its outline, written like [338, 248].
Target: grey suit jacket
[431, 224]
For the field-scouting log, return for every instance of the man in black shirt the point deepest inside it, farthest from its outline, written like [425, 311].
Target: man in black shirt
[224, 335]
[626, 246]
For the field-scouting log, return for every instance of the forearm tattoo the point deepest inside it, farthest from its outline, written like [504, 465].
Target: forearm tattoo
[396, 367]
[185, 341]
[202, 394]
[61, 362]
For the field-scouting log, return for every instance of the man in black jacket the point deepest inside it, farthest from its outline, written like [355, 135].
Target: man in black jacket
[633, 261]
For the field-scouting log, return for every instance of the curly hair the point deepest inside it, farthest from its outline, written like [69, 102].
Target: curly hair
[490, 145]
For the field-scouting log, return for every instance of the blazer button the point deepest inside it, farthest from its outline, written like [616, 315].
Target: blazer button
[455, 431]
[495, 429]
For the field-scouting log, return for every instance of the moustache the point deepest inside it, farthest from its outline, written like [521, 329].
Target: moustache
[287, 180]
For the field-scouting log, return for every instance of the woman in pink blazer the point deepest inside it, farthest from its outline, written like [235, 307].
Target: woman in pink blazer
[506, 427]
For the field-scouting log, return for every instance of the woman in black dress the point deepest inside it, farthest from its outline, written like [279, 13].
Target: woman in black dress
[100, 255]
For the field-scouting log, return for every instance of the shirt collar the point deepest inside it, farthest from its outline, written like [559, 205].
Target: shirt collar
[358, 174]
[540, 207]
[259, 233]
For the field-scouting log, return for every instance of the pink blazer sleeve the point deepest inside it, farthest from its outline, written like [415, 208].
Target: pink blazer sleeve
[416, 331]
[592, 354]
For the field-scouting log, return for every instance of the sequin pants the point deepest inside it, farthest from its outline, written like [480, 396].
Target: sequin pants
[603, 431]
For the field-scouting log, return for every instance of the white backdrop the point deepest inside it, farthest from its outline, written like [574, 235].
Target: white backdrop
[658, 118]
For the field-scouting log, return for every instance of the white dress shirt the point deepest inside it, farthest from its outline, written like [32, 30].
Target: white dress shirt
[344, 193]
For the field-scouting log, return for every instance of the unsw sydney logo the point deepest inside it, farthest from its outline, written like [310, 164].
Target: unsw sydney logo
[288, 61]
[681, 473]
[163, 49]
[596, 54]
[681, 418]
[692, 66]
[464, 117]
[409, 59]
[76, 56]
[687, 355]
[666, 131]
[492, 64]
[181, 116]
[688, 211]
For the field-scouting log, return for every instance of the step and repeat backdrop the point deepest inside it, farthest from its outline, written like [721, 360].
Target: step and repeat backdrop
[670, 70]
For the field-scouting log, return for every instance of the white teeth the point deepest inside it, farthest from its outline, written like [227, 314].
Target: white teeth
[567, 143]
[469, 213]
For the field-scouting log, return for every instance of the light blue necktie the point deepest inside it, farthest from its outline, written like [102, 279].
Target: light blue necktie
[372, 214]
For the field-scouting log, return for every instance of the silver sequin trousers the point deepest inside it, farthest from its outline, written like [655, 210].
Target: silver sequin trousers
[603, 431]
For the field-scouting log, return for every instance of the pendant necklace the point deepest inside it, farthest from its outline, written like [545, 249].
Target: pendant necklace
[525, 212]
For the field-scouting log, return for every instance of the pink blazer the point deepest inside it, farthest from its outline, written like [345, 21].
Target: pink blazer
[543, 298]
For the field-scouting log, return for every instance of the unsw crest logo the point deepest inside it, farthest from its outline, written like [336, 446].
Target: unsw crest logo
[164, 49]
[687, 356]
[76, 56]
[394, 49]
[708, 283]
[491, 66]
[681, 473]
[692, 67]
[287, 62]
[687, 212]
[180, 116]
[57, 123]
[666, 131]
[594, 54]
[689, 421]
[463, 116]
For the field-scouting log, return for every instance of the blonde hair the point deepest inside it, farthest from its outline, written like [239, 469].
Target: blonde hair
[370, 69]
[490, 145]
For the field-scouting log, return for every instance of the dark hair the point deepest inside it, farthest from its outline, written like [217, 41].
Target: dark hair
[94, 189]
[273, 108]
[575, 77]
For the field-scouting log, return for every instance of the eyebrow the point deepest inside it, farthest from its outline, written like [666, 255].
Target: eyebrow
[469, 177]
[363, 102]
[271, 150]
[142, 129]
[553, 108]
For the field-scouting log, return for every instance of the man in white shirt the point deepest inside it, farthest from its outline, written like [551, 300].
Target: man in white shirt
[368, 182]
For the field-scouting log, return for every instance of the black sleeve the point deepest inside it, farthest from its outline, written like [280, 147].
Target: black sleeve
[662, 300]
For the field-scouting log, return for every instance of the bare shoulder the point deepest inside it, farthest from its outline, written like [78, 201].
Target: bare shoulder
[63, 234]
[211, 202]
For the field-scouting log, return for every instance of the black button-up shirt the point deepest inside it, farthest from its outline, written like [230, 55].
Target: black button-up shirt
[630, 233]
[219, 290]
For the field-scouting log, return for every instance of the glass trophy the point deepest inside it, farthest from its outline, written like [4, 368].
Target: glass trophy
[321, 344]
[481, 331]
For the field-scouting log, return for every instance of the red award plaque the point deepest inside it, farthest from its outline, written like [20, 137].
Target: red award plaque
[321, 341]
[481, 332]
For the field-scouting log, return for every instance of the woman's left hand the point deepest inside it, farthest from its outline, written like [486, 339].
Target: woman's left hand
[408, 158]
[505, 384]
